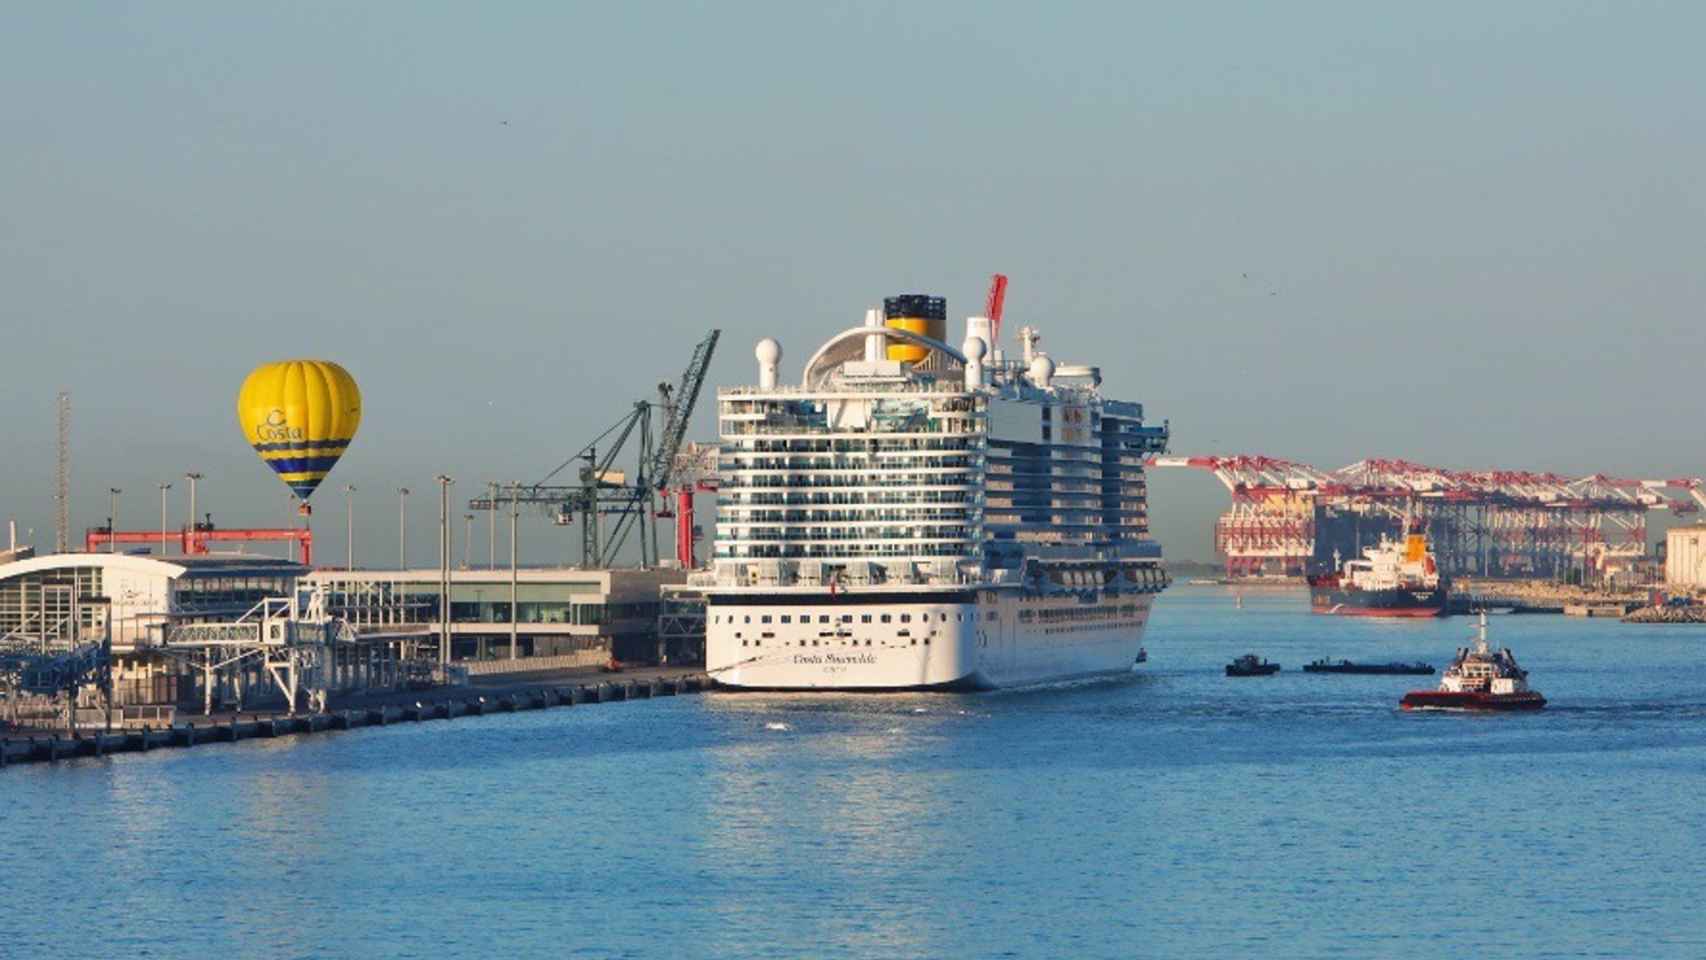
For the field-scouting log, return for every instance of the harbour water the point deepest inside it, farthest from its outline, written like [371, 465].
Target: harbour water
[1179, 813]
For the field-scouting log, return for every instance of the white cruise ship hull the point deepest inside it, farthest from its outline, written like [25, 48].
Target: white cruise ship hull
[920, 641]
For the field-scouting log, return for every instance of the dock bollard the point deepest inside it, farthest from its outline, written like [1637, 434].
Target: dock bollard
[656, 688]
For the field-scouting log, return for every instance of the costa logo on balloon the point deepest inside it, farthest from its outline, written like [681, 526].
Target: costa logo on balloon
[300, 416]
[277, 428]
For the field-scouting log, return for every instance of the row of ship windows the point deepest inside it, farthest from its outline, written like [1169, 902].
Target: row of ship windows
[800, 533]
[1086, 627]
[918, 514]
[826, 501]
[763, 618]
[843, 642]
[909, 461]
[796, 551]
[852, 480]
[731, 429]
[877, 444]
[1101, 612]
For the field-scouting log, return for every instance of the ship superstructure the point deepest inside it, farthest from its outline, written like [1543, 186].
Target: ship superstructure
[915, 515]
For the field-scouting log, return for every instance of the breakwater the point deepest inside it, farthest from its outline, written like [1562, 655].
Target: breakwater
[53, 747]
[1652, 614]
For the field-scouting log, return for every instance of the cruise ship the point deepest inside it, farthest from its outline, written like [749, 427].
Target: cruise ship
[915, 515]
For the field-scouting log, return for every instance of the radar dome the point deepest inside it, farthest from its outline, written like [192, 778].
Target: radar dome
[1042, 370]
[769, 354]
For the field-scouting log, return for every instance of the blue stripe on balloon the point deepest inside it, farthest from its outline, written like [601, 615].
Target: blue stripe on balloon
[302, 445]
[301, 464]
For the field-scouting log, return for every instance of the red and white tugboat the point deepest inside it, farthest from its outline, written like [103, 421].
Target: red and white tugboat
[1479, 679]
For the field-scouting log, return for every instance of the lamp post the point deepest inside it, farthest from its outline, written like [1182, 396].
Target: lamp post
[467, 537]
[112, 521]
[444, 545]
[492, 529]
[402, 529]
[349, 526]
[514, 515]
[163, 488]
[190, 537]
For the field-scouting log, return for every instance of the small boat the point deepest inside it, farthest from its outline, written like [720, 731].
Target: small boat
[1479, 679]
[1250, 665]
[1346, 666]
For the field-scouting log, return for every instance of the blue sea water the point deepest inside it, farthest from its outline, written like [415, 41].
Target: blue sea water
[1178, 813]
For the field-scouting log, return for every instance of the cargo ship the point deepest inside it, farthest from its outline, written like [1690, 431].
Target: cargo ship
[1397, 578]
[1479, 678]
[911, 514]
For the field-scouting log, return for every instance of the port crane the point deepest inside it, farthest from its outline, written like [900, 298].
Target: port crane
[610, 505]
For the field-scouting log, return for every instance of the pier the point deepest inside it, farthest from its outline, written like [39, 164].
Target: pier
[437, 704]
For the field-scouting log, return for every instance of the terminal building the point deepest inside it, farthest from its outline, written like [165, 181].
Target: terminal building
[562, 617]
[56, 604]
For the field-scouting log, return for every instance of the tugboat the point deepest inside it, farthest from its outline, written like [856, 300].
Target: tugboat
[1394, 579]
[1250, 665]
[1345, 666]
[1479, 679]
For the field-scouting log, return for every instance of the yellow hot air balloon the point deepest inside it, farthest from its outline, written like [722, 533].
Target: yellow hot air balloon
[300, 416]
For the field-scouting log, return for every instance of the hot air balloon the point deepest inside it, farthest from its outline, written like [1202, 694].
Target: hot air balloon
[300, 416]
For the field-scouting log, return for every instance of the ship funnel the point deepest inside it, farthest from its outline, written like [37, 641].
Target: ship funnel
[915, 313]
[769, 354]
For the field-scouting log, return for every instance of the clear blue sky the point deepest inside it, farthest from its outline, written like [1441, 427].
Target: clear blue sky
[1473, 232]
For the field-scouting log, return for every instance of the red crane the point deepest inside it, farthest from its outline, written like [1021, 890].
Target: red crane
[992, 306]
[194, 542]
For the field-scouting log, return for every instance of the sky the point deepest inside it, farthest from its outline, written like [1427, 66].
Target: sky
[1460, 233]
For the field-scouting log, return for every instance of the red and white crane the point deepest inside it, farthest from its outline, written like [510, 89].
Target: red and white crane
[1522, 516]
